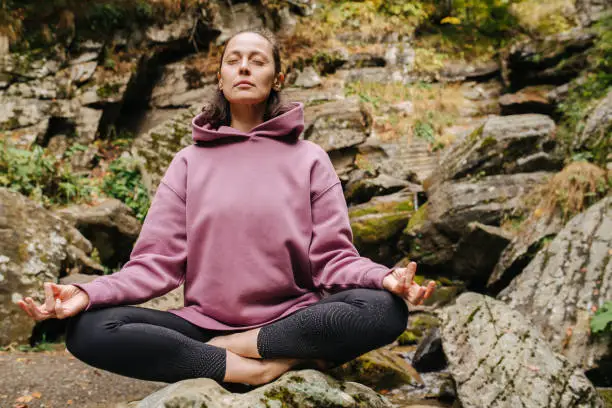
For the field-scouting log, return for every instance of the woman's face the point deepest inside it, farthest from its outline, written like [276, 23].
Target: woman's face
[248, 57]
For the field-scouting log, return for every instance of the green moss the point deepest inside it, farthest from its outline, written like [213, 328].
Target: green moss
[393, 207]
[378, 228]
[486, 142]
[476, 134]
[409, 337]
[283, 395]
[296, 379]
[606, 395]
[108, 90]
[471, 316]
[416, 221]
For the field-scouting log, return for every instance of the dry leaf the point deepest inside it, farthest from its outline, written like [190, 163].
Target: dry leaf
[25, 398]
[36, 394]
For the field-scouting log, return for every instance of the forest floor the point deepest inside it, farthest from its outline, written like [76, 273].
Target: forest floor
[57, 379]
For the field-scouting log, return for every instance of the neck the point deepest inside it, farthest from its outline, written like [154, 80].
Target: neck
[246, 116]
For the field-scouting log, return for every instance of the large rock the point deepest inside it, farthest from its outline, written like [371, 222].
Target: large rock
[303, 388]
[554, 59]
[566, 282]
[589, 11]
[498, 358]
[110, 226]
[437, 233]
[156, 148]
[338, 125]
[596, 137]
[503, 145]
[36, 246]
[377, 224]
[181, 86]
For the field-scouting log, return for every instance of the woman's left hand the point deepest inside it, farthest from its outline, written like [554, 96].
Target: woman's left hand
[401, 282]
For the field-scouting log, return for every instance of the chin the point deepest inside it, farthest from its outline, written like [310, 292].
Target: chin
[248, 100]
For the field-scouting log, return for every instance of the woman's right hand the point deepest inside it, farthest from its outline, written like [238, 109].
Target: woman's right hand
[61, 301]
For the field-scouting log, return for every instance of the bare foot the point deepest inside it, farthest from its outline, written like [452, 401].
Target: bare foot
[274, 368]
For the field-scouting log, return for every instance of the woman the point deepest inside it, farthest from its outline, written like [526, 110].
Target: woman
[253, 220]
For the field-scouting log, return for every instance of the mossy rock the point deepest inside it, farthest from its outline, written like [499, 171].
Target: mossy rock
[606, 395]
[378, 227]
[417, 220]
[379, 369]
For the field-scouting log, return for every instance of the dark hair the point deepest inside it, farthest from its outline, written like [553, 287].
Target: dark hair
[217, 110]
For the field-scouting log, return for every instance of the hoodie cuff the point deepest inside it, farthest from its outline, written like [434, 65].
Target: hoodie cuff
[96, 291]
[373, 278]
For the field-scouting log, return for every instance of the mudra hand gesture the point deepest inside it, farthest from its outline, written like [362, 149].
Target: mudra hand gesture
[401, 282]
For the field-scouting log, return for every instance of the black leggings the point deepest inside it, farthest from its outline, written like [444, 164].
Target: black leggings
[157, 345]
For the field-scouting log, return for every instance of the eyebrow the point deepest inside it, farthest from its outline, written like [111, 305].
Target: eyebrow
[252, 52]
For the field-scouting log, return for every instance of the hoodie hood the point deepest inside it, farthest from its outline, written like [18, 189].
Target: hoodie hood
[289, 124]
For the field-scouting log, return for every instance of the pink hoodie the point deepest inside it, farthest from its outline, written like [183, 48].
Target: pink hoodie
[255, 224]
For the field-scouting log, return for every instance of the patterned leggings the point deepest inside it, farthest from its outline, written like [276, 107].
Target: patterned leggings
[156, 345]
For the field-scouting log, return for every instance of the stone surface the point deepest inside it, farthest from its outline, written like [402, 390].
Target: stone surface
[36, 246]
[432, 235]
[565, 280]
[596, 136]
[303, 388]
[110, 226]
[377, 224]
[495, 148]
[498, 358]
[338, 125]
[157, 147]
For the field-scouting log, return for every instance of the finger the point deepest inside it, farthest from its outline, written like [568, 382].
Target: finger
[411, 271]
[25, 308]
[430, 288]
[418, 297]
[39, 313]
[59, 310]
[405, 281]
[49, 298]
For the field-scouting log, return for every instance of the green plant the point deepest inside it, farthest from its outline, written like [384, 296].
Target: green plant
[424, 130]
[124, 182]
[41, 177]
[601, 321]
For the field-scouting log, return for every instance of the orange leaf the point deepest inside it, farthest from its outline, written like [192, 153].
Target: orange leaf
[25, 398]
[36, 394]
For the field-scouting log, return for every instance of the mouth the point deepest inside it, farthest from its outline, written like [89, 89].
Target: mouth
[244, 84]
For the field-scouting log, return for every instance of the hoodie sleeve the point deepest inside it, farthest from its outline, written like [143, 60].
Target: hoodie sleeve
[335, 262]
[158, 260]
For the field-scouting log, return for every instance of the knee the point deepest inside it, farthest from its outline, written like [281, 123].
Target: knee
[82, 330]
[391, 313]
[77, 333]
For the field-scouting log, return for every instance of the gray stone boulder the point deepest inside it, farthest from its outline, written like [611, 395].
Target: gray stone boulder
[438, 234]
[338, 125]
[110, 226]
[377, 224]
[503, 145]
[596, 136]
[566, 281]
[156, 148]
[499, 358]
[302, 388]
[35, 246]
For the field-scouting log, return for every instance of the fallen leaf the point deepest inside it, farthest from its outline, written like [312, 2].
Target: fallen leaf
[36, 394]
[25, 398]
[69, 402]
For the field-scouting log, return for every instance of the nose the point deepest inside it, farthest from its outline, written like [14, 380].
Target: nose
[244, 63]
